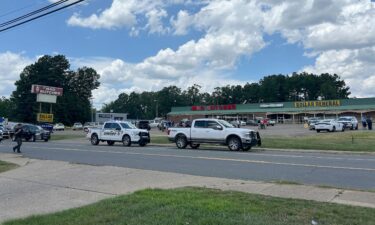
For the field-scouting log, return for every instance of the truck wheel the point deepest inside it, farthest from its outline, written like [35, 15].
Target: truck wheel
[110, 143]
[234, 144]
[194, 146]
[46, 140]
[181, 142]
[142, 143]
[247, 148]
[126, 140]
[94, 139]
[318, 131]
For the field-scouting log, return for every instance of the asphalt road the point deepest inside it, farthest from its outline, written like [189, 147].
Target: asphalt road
[337, 170]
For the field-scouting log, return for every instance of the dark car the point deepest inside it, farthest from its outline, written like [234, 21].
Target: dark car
[33, 133]
[144, 124]
[46, 126]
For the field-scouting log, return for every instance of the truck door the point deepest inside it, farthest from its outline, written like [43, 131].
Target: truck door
[107, 132]
[215, 131]
[116, 128]
[199, 131]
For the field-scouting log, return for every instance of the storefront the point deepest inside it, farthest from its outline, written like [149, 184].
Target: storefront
[282, 112]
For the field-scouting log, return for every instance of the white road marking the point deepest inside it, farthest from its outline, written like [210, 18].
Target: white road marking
[212, 158]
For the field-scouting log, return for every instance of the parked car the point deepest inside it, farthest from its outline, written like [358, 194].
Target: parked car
[47, 126]
[59, 126]
[271, 122]
[6, 133]
[252, 122]
[144, 124]
[1, 135]
[214, 131]
[32, 133]
[329, 125]
[77, 126]
[312, 121]
[118, 131]
[349, 122]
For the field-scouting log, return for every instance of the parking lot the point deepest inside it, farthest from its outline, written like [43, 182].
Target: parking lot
[279, 130]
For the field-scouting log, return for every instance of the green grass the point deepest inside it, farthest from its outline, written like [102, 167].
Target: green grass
[204, 206]
[65, 137]
[160, 140]
[5, 166]
[346, 141]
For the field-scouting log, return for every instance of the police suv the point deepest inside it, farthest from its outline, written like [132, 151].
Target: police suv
[118, 131]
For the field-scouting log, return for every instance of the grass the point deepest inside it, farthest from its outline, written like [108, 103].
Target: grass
[5, 166]
[346, 141]
[204, 206]
[160, 140]
[65, 137]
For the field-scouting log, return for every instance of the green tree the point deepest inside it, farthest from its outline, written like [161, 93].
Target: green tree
[55, 71]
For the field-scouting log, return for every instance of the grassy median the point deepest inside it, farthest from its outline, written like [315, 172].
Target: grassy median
[345, 141]
[204, 206]
[5, 166]
[342, 141]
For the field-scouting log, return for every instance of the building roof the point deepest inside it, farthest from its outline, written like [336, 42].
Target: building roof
[354, 104]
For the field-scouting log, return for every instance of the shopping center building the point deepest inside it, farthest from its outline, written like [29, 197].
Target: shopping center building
[282, 112]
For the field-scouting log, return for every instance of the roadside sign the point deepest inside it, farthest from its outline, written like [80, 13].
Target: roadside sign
[44, 117]
[41, 89]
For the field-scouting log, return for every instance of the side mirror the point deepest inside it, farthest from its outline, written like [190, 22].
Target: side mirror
[218, 127]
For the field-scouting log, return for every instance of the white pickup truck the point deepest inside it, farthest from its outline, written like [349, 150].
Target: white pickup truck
[118, 131]
[214, 131]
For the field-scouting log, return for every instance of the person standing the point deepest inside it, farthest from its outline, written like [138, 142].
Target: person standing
[18, 137]
[364, 122]
[369, 123]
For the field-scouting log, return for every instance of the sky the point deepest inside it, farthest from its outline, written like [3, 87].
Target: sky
[145, 45]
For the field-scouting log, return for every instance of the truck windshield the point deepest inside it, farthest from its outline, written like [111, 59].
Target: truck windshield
[226, 124]
[128, 126]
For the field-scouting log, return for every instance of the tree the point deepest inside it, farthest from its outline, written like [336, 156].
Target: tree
[6, 107]
[55, 71]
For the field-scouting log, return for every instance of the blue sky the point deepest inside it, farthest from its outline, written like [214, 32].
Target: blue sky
[146, 45]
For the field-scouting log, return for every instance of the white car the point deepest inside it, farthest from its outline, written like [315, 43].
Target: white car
[118, 131]
[77, 126]
[59, 126]
[349, 122]
[329, 125]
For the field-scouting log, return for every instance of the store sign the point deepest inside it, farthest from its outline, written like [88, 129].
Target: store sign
[41, 89]
[46, 98]
[272, 105]
[213, 107]
[329, 103]
[44, 117]
[104, 115]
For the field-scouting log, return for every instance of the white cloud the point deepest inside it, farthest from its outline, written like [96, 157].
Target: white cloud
[11, 66]
[356, 67]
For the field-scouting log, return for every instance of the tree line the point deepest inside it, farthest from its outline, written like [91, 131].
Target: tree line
[273, 88]
[73, 106]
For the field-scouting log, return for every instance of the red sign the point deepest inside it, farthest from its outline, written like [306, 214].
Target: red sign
[213, 107]
[41, 89]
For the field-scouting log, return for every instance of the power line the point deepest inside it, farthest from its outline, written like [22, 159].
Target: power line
[33, 13]
[42, 15]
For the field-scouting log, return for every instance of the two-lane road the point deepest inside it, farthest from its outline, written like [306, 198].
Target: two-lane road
[339, 170]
